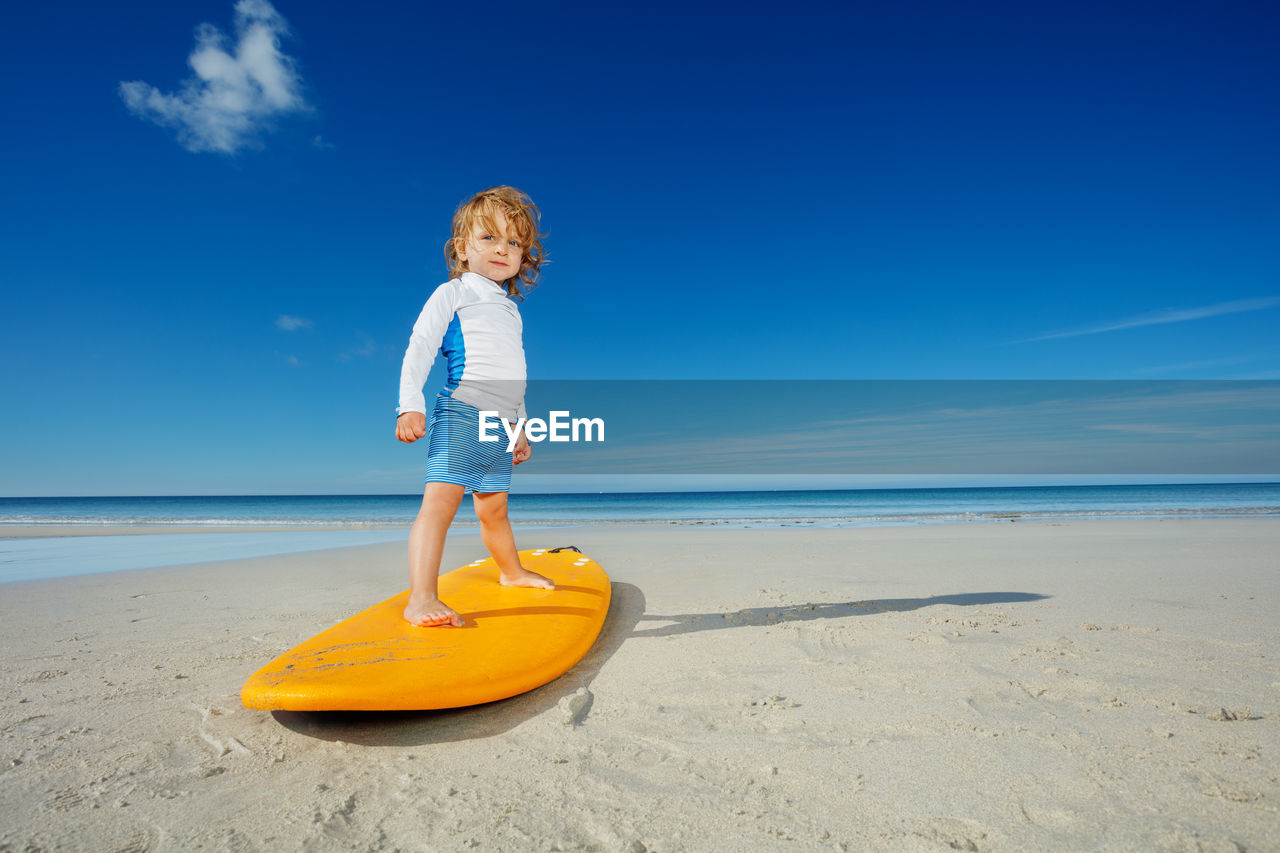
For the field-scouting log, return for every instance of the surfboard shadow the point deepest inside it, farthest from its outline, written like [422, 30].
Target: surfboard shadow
[418, 728]
[688, 623]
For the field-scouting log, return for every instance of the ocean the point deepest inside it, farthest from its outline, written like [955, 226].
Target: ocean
[327, 521]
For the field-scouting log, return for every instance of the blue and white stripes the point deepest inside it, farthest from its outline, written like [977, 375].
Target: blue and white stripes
[456, 454]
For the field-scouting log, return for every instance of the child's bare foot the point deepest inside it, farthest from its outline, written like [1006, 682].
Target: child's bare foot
[526, 578]
[432, 613]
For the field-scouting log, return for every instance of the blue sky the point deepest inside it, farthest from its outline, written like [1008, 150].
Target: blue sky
[217, 302]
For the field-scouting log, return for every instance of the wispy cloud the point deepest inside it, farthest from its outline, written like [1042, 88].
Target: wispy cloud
[292, 324]
[1156, 318]
[232, 97]
[1207, 433]
[366, 349]
[1188, 366]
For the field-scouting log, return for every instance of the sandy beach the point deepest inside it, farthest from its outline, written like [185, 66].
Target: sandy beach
[996, 686]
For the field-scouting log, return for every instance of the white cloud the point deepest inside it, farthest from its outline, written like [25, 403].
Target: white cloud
[1168, 316]
[232, 97]
[292, 324]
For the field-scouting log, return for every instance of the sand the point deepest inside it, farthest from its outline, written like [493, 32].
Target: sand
[998, 686]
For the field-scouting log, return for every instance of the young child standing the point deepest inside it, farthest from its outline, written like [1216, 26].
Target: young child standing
[472, 320]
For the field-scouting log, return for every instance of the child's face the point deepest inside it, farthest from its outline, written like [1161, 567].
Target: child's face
[495, 254]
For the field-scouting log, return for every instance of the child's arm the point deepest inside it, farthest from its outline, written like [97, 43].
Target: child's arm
[424, 342]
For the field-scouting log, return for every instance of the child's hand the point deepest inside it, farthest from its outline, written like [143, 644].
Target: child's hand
[411, 426]
[522, 451]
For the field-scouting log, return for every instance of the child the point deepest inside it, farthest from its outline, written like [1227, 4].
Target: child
[471, 320]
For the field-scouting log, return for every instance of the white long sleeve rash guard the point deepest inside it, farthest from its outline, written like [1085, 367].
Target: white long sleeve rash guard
[473, 323]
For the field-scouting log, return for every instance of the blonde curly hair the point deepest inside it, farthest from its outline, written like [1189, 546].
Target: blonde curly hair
[523, 217]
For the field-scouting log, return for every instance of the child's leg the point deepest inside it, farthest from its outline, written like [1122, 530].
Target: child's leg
[426, 545]
[495, 530]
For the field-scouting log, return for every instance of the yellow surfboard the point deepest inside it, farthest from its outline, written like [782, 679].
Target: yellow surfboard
[514, 639]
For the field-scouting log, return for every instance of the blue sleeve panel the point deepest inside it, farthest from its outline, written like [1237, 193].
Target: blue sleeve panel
[454, 348]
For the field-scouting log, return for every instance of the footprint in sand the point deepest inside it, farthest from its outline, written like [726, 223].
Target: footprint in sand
[213, 722]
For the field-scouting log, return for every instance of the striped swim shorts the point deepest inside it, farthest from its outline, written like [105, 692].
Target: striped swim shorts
[456, 454]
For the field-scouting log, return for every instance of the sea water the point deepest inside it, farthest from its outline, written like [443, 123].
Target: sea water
[831, 507]
[330, 521]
